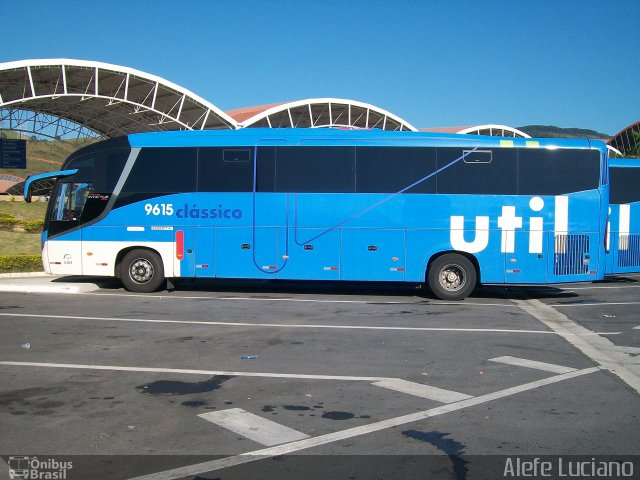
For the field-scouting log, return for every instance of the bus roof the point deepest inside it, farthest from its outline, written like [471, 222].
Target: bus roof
[310, 136]
[624, 162]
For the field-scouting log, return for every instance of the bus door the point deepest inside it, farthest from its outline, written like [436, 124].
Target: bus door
[257, 248]
[63, 252]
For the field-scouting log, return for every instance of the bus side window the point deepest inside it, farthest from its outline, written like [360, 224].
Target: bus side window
[315, 169]
[401, 167]
[555, 172]
[468, 171]
[163, 170]
[266, 169]
[225, 169]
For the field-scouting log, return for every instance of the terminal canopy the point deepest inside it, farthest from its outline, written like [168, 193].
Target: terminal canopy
[103, 100]
[319, 112]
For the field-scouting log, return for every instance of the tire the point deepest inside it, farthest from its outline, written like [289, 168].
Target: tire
[142, 271]
[452, 277]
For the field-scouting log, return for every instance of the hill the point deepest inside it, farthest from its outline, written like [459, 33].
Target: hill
[550, 131]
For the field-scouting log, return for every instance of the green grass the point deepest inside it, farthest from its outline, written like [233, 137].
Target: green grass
[17, 243]
[24, 211]
[21, 243]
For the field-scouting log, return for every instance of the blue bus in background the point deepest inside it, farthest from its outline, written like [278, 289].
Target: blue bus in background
[623, 238]
[451, 211]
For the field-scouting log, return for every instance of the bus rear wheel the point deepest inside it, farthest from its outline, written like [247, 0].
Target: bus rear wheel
[142, 271]
[452, 277]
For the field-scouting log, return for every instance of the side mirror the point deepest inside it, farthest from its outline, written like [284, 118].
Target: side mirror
[28, 184]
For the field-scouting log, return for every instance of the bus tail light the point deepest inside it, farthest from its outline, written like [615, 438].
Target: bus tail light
[179, 244]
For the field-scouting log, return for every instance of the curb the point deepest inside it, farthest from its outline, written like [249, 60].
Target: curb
[25, 275]
[40, 282]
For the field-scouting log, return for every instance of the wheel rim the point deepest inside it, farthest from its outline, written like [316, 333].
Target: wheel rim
[141, 270]
[452, 278]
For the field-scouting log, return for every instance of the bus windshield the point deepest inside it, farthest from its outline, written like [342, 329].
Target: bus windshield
[82, 194]
[69, 201]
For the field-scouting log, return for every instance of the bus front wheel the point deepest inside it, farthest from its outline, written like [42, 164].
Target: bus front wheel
[142, 271]
[452, 277]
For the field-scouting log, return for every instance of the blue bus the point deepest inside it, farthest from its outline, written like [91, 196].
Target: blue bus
[451, 211]
[623, 237]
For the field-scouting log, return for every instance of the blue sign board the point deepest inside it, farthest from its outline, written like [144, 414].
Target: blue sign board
[13, 153]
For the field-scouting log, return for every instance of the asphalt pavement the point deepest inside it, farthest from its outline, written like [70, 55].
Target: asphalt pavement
[241, 380]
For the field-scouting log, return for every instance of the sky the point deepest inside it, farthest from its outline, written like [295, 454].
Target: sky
[434, 63]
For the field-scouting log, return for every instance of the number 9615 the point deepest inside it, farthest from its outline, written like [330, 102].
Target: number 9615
[159, 209]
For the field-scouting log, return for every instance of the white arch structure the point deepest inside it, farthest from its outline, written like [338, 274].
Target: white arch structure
[318, 113]
[56, 97]
[494, 130]
[614, 152]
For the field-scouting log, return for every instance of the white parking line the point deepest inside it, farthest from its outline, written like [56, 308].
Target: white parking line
[599, 349]
[634, 351]
[312, 442]
[303, 300]
[117, 368]
[523, 362]
[592, 304]
[253, 427]
[604, 287]
[421, 390]
[282, 325]
[251, 299]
